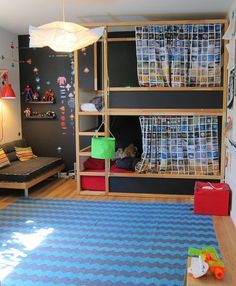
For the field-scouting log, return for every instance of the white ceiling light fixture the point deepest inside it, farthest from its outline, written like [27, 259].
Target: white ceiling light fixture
[62, 36]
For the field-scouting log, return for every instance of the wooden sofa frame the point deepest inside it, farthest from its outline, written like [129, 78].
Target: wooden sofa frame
[26, 185]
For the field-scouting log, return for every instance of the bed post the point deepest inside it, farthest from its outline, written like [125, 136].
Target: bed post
[26, 191]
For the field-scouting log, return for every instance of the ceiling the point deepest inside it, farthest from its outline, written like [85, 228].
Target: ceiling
[16, 15]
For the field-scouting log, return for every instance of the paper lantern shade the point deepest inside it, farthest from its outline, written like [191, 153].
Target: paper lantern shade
[63, 36]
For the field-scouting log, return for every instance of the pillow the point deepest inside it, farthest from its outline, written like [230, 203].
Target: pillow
[127, 163]
[92, 163]
[24, 153]
[3, 159]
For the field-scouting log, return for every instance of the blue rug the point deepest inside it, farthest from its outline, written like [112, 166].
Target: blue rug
[93, 243]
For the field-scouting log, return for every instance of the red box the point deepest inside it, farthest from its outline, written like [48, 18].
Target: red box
[211, 198]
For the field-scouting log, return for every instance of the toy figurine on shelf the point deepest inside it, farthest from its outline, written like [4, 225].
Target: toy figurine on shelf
[49, 95]
[28, 93]
[36, 96]
[50, 113]
[27, 112]
[35, 113]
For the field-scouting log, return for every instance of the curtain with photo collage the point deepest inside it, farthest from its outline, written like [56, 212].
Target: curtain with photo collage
[179, 145]
[179, 55]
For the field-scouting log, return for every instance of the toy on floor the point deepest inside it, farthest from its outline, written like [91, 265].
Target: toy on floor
[209, 256]
[198, 267]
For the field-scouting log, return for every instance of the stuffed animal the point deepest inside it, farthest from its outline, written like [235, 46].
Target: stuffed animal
[126, 159]
[129, 151]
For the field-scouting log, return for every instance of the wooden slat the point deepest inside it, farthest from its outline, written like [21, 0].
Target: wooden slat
[86, 113]
[159, 88]
[92, 193]
[106, 103]
[87, 148]
[91, 133]
[95, 68]
[77, 124]
[144, 23]
[127, 39]
[225, 96]
[92, 174]
[171, 176]
[150, 111]
[85, 151]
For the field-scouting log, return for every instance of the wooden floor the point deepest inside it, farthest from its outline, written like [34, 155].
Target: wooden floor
[66, 189]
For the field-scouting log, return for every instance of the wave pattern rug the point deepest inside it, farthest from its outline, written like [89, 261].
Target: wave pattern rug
[93, 243]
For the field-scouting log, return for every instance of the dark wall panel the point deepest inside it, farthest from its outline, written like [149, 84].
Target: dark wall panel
[122, 64]
[165, 99]
[152, 186]
[126, 130]
[44, 69]
[86, 67]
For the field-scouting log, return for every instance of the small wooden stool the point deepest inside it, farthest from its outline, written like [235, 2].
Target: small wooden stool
[208, 279]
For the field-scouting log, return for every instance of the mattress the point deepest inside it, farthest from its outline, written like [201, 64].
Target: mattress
[25, 171]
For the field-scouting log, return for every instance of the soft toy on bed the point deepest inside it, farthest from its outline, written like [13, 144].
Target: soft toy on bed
[129, 151]
[126, 159]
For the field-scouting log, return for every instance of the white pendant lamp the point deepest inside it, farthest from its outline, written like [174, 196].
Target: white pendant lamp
[63, 36]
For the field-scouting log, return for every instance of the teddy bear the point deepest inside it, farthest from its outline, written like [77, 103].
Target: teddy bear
[126, 159]
[129, 151]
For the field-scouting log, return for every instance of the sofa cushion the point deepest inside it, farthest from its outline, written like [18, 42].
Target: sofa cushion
[25, 171]
[3, 159]
[24, 153]
[9, 148]
[12, 156]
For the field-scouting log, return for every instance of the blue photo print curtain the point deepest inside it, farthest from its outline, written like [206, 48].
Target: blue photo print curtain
[179, 145]
[179, 55]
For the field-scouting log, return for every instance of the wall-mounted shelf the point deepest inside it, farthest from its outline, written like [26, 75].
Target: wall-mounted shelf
[91, 133]
[39, 102]
[84, 113]
[41, 117]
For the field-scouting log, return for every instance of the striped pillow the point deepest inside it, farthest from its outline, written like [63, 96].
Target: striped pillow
[3, 159]
[24, 153]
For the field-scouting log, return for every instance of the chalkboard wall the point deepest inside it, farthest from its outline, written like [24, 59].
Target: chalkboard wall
[44, 69]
